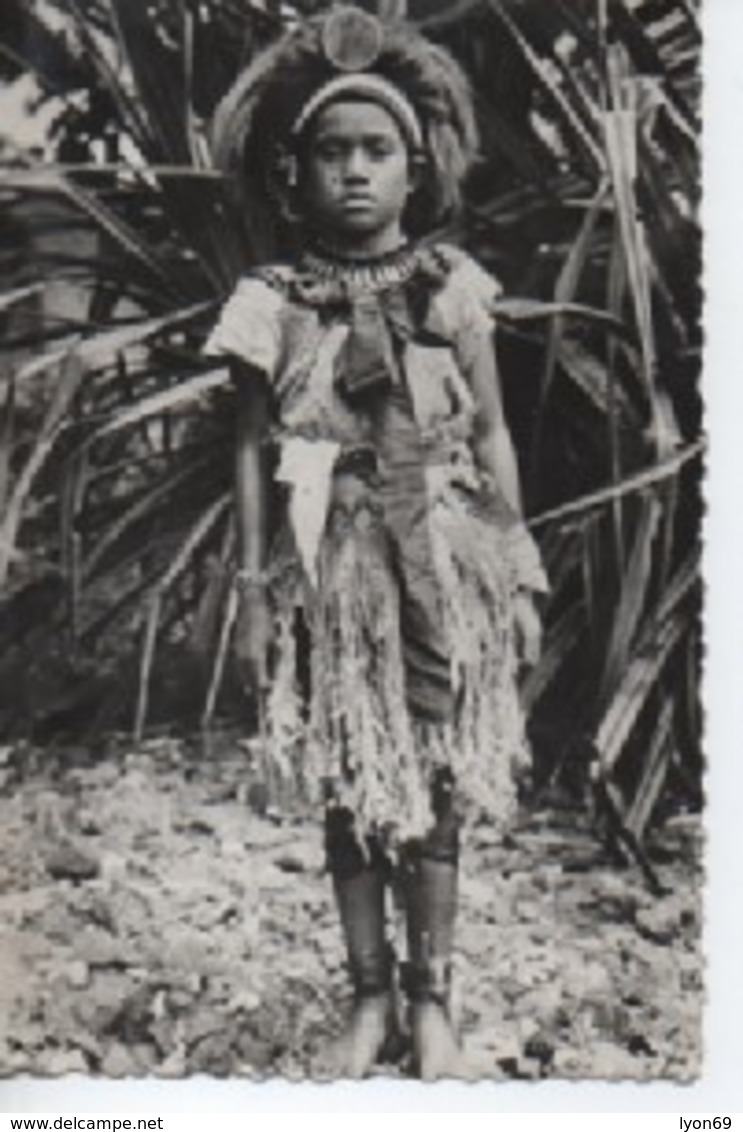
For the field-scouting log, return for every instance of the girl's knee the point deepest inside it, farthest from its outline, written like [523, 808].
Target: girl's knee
[441, 842]
[346, 855]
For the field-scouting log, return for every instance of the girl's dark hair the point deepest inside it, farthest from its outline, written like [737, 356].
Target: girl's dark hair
[253, 122]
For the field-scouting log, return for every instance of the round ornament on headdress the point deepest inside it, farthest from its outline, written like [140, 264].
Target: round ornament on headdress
[351, 38]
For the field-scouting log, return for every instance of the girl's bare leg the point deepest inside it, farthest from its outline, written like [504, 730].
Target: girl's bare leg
[359, 884]
[429, 876]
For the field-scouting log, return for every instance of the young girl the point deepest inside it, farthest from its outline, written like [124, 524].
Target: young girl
[393, 555]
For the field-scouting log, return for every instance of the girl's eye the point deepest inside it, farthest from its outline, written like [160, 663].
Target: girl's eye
[379, 150]
[328, 151]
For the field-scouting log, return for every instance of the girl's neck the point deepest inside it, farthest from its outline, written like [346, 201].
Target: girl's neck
[375, 246]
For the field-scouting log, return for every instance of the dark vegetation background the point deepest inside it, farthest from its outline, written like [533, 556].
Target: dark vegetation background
[117, 242]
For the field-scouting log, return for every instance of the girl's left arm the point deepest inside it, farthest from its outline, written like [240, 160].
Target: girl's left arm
[494, 449]
[496, 459]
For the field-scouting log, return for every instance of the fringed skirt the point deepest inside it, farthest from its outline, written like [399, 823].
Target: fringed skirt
[340, 720]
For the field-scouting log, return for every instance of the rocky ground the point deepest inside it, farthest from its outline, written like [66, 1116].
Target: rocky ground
[155, 919]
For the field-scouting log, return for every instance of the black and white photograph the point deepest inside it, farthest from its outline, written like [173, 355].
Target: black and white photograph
[352, 463]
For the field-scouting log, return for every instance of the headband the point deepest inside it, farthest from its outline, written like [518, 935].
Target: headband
[364, 85]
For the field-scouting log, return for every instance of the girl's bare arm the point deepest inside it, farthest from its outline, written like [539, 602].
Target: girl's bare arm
[250, 472]
[497, 460]
[253, 628]
[493, 445]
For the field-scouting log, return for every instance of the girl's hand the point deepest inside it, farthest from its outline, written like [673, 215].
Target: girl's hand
[528, 626]
[253, 635]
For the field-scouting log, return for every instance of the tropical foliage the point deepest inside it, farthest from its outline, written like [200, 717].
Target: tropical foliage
[115, 523]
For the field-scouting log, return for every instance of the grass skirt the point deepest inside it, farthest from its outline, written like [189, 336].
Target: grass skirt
[347, 730]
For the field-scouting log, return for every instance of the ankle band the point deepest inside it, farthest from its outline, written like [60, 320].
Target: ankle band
[371, 973]
[429, 982]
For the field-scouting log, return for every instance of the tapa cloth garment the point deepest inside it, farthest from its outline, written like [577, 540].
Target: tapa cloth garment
[400, 563]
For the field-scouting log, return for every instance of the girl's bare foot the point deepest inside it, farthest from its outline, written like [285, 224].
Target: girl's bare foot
[371, 1026]
[436, 1050]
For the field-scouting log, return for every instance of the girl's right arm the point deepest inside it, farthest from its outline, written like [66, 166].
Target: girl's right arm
[248, 334]
[253, 628]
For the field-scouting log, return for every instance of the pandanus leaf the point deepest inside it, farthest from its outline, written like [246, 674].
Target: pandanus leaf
[563, 637]
[185, 394]
[196, 536]
[629, 485]
[7, 421]
[19, 295]
[589, 374]
[565, 291]
[144, 506]
[91, 205]
[99, 350]
[73, 366]
[567, 285]
[544, 74]
[655, 766]
[530, 310]
[70, 379]
[638, 683]
[634, 593]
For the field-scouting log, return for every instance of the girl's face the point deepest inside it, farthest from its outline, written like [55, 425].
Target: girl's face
[356, 176]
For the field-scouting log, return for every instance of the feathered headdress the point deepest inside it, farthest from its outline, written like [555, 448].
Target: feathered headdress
[258, 119]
